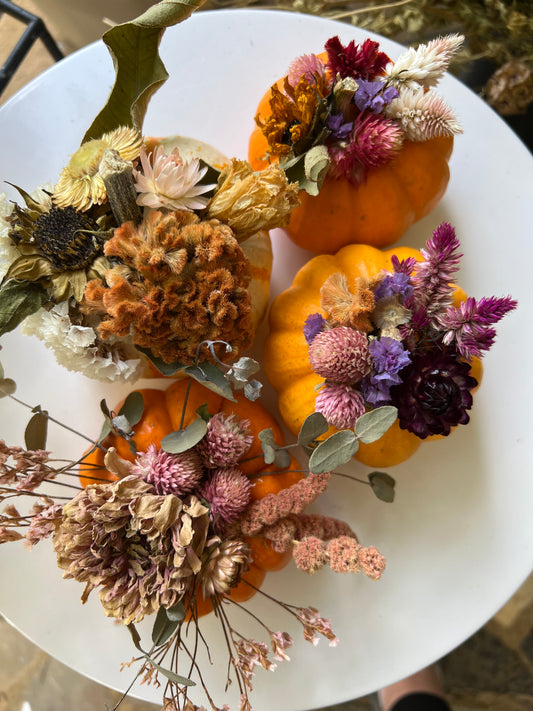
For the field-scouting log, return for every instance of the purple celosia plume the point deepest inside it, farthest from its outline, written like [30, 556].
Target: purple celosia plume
[468, 326]
[433, 277]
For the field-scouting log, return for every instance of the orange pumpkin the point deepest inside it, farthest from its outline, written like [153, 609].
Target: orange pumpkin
[286, 360]
[377, 211]
[163, 413]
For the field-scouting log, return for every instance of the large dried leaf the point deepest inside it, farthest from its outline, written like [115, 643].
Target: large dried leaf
[139, 71]
[18, 300]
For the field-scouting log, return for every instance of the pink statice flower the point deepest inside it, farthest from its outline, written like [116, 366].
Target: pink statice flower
[280, 641]
[314, 625]
[170, 182]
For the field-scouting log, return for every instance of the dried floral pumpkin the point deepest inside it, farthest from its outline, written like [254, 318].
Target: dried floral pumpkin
[367, 139]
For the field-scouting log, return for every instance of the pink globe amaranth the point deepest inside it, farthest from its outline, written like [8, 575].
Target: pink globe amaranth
[340, 404]
[341, 354]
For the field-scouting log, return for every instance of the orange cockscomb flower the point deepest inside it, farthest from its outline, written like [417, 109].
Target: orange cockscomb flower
[179, 281]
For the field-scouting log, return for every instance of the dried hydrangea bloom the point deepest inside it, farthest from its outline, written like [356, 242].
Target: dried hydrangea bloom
[222, 570]
[180, 281]
[139, 549]
[80, 184]
[249, 202]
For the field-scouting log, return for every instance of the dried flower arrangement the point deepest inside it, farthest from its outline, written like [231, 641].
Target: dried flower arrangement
[139, 254]
[351, 126]
[177, 530]
[359, 105]
[403, 336]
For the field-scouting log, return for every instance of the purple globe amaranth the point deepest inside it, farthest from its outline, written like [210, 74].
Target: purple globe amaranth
[341, 354]
[434, 395]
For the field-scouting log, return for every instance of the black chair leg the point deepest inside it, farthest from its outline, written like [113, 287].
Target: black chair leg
[35, 30]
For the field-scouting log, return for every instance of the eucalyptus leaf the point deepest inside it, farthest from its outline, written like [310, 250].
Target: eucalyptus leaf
[133, 447]
[1, 371]
[212, 378]
[122, 425]
[166, 369]
[36, 431]
[313, 426]
[176, 612]
[203, 412]
[139, 71]
[316, 164]
[333, 452]
[105, 409]
[133, 408]
[181, 441]
[163, 628]
[282, 458]
[382, 485]
[252, 390]
[170, 675]
[268, 445]
[7, 387]
[18, 300]
[373, 425]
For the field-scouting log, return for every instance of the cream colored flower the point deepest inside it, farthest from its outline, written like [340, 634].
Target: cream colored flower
[249, 202]
[422, 115]
[425, 65]
[79, 349]
[169, 182]
[80, 185]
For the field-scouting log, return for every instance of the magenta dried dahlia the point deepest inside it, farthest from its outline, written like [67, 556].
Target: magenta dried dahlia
[435, 393]
[341, 354]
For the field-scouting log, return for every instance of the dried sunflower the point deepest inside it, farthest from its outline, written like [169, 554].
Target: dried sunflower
[60, 248]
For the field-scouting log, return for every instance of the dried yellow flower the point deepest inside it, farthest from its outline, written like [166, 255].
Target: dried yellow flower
[80, 183]
[249, 202]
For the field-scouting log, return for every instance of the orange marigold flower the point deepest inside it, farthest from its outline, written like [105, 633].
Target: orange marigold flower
[180, 281]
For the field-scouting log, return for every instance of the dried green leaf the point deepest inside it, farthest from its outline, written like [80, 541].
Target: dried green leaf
[7, 387]
[382, 485]
[176, 612]
[252, 390]
[181, 441]
[373, 425]
[314, 425]
[333, 452]
[139, 71]
[36, 431]
[18, 300]
[212, 378]
[166, 369]
[164, 627]
[133, 408]
[176, 678]
[203, 412]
